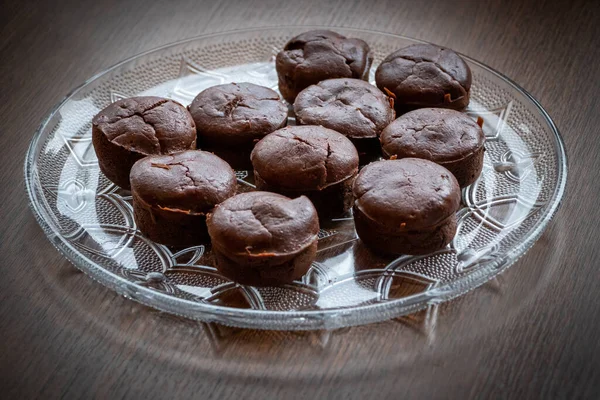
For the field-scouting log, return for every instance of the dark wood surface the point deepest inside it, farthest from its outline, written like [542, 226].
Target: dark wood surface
[532, 333]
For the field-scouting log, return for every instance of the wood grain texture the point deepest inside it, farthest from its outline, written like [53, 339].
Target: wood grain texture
[531, 333]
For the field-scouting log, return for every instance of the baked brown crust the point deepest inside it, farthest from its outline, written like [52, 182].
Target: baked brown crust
[405, 206]
[173, 193]
[417, 242]
[275, 275]
[425, 75]
[308, 160]
[352, 107]
[406, 194]
[130, 129]
[264, 238]
[331, 201]
[304, 158]
[318, 55]
[446, 137]
[236, 114]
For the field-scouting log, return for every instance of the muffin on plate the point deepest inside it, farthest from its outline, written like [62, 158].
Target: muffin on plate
[317, 55]
[231, 118]
[425, 75]
[308, 160]
[264, 239]
[172, 195]
[352, 107]
[447, 137]
[405, 206]
[130, 129]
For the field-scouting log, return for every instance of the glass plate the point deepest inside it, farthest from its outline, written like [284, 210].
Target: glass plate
[90, 220]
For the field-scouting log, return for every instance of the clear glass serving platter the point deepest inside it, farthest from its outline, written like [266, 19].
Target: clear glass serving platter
[90, 220]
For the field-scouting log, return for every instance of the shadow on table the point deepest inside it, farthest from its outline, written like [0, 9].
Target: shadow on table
[404, 342]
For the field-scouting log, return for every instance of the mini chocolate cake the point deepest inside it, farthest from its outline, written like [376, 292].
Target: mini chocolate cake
[307, 160]
[314, 56]
[264, 239]
[446, 137]
[405, 206]
[133, 128]
[172, 195]
[351, 107]
[231, 118]
[425, 75]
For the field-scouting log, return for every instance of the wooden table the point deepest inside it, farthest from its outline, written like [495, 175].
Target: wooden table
[532, 333]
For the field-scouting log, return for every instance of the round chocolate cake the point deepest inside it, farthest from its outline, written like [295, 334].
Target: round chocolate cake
[130, 129]
[354, 108]
[264, 239]
[447, 137]
[308, 160]
[172, 195]
[425, 75]
[405, 206]
[231, 118]
[318, 55]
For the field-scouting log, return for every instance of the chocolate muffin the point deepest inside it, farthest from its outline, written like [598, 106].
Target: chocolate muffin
[172, 195]
[314, 56]
[405, 206]
[264, 239]
[446, 137]
[425, 75]
[308, 160]
[133, 128]
[351, 107]
[231, 118]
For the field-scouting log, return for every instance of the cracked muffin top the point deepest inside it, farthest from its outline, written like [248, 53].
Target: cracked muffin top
[425, 75]
[318, 55]
[406, 194]
[237, 113]
[147, 125]
[353, 107]
[304, 157]
[263, 224]
[436, 134]
[192, 181]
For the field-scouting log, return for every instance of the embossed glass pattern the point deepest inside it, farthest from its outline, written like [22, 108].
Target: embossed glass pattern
[90, 220]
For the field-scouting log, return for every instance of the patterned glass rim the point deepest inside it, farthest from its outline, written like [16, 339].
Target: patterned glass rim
[292, 320]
